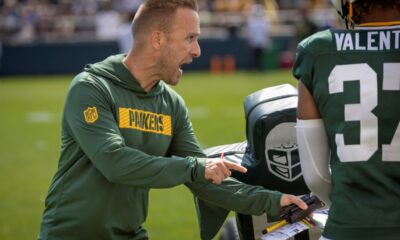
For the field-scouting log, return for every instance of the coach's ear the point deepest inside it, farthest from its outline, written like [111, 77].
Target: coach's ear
[157, 39]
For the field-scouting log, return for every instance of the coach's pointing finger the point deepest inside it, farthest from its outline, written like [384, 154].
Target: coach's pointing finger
[235, 166]
[219, 169]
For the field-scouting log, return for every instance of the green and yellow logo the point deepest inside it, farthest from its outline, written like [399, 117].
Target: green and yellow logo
[91, 115]
[145, 121]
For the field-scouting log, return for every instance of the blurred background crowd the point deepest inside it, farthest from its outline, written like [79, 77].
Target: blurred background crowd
[235, 34]
[24, 21]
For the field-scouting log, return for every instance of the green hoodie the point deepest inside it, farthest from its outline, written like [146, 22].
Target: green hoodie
[118, 142]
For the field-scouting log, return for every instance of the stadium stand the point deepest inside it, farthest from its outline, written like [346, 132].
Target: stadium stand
[31, 23]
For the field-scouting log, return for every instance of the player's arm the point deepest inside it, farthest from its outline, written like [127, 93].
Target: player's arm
[313, 145]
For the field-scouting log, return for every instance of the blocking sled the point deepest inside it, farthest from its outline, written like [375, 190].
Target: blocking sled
[269, 153]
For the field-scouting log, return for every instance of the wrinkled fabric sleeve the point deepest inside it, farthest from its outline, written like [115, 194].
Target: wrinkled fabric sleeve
[314, 161]
[104, 145]
[213, 202]
[233, 195]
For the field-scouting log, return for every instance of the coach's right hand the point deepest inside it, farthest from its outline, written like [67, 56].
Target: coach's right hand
[218, 169]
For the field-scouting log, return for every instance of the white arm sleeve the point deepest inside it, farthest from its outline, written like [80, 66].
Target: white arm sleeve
[314, 157]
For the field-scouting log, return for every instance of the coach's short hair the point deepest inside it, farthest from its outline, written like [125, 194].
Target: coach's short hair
[158, 14]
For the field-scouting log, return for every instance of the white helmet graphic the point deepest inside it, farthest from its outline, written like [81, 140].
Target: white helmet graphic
[281, 152]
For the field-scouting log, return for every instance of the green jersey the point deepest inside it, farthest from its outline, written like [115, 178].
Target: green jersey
[354, 78]
[119, 141]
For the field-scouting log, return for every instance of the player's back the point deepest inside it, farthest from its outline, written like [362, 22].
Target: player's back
[354, 77]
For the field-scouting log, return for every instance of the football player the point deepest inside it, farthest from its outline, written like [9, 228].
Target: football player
[348, 120]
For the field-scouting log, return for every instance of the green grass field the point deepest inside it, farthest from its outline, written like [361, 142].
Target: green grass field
[30, 113]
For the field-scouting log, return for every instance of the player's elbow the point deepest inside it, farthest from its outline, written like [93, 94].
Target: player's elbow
[319, 186]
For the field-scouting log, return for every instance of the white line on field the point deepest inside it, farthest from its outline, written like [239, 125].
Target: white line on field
[40, 117]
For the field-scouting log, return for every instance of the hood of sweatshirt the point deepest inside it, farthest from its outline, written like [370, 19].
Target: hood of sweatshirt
[115, 71]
